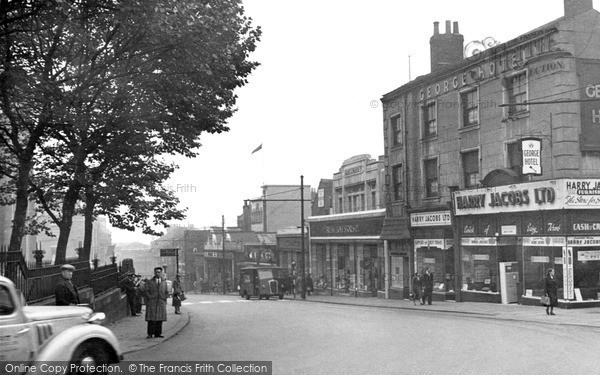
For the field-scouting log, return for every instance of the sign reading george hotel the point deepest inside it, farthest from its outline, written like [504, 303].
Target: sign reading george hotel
[531, 196]
[430, 219]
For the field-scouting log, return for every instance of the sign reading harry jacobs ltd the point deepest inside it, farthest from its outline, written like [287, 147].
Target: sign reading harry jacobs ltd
[430, 219]
[532, 196]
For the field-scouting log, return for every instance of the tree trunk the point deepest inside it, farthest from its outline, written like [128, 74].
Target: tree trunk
[68, 210]
[90, 203]
[21, 203]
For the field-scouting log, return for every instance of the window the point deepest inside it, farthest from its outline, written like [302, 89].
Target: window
[431, 178]
[516, 87]
[470, 162]
[7, 306]
[397, 181]
[513, 152]
[429, 120]
[396, 122]
[470, 107]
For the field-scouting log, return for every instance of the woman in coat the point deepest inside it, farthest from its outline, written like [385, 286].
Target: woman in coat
[417, 287]
[551, 290]
[177, 291]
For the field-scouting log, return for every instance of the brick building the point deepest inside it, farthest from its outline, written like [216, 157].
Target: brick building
[521, 112]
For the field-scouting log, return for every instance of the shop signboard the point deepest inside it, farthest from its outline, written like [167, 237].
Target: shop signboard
[530, 196]
[544, 241]
[588, 255]
[479, 241]
[430, 219]
[583, 241]
[429, 242]
[540, 259]
[532, 156]
[351, 227]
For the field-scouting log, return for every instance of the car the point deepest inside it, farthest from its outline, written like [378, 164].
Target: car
[72, 335]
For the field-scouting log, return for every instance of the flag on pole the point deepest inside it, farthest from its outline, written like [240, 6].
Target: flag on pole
[257, 149]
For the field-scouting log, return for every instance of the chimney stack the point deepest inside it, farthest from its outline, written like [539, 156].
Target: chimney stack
[576, 7]
[447, 48]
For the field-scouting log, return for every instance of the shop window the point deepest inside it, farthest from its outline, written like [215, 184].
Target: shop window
[480, 269]
[470, 163]
[321, 279]
[470, 108]
[396, 122]
[536, 262]
[344, 277]
[429, 120]
[441, 265]
[516, 89]
[586, 271]
[369, 269]
[397, 181]
[431, 178]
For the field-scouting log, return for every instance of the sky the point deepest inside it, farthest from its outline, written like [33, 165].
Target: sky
[315, 99]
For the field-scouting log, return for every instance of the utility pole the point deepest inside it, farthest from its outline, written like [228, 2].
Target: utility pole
[303, 294]
[223, 263]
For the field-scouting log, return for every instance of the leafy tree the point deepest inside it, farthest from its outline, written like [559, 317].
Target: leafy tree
[85, 76]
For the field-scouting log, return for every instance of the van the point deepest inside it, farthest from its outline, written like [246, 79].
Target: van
[261, 282]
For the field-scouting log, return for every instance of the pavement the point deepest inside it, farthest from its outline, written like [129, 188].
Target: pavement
[131, 331]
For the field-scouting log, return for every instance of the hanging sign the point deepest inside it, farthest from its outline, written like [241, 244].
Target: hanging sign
[532, 156]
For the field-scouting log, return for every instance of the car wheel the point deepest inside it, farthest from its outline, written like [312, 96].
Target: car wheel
[281, 296]
[267, 297]
[89, 354]
[246, 295]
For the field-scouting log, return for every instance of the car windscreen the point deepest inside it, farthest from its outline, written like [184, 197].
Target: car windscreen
[265, 274]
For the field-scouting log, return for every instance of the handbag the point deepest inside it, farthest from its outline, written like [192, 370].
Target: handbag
[182, 296]
[545, 300]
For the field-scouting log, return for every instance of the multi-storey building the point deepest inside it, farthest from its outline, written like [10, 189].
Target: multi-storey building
[346, 250]
[493, 161]
[278, 208]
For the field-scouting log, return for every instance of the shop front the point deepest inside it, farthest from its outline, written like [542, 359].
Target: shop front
[347, 253]
[510, 236]
[433, 243]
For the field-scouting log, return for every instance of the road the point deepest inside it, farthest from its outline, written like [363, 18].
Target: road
[313, 338]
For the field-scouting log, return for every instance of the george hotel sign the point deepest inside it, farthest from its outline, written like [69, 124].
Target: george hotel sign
[531, 196]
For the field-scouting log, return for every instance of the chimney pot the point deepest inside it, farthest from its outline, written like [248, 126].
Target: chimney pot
[455, 28]
[436, 28]
[447, 27]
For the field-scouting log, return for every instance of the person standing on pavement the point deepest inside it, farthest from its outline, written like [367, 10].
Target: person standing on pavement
[416, 288]
[137, 281]
[155, 292]
[65, 292]
[427, 286]
[130, 290]
[551, 290]
[177, 292]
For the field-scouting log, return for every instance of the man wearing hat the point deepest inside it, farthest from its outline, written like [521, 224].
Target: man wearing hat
[155, 293]
[65, 291]
[130, 290]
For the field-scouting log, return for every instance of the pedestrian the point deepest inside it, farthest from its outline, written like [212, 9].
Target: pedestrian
[138, 293]
[130, 290]
[416, 288]
[155, 293]
[65, 292]
[551, 290]
[195, 285]
[309, 284]
[177, 292]
[427, 281]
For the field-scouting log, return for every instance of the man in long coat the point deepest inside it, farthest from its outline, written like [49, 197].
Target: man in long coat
[427, 281]
[155, 292]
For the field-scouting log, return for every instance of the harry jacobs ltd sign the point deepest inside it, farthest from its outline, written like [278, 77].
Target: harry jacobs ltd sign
[532, 196]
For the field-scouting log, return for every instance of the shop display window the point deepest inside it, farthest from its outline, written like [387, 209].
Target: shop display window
[536, 262]
[586, 272]
[480, 269]
[441, 266]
